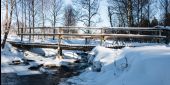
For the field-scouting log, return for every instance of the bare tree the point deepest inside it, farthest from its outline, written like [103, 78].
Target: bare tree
[17, 13]
[110, 14]
[55, 10]
[88, 11]
[166, 9]
[130, 12]
[6, 17]
[33, 14]
[130, 15]
[25, 12]
[8, 21]
[43, 20]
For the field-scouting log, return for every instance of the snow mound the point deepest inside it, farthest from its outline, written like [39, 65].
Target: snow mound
[130, 66]
[71, 55]
[10, 53]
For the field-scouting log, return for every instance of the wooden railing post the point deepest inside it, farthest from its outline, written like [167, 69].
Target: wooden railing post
[59, 47]
[101, 31]
[101, 40]
[44, 32]
[18, 31]
[29, 33]
[54, 31]
[160, 33]
[167, 34]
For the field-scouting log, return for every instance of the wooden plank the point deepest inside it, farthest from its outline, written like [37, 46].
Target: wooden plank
[97, 35]
[96, 28]
[63, 47]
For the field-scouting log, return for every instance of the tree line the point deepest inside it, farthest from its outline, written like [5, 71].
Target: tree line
[131, 13]
[31, 13]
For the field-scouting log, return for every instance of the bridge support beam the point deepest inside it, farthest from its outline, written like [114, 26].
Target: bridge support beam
[60, 52]
[59, 47]
[102, 40]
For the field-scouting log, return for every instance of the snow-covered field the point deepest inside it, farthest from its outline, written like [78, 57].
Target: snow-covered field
[147, 65]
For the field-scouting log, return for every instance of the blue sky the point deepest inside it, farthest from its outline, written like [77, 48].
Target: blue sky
[102, 12]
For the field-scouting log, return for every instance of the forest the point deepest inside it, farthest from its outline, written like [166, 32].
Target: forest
[85, 42]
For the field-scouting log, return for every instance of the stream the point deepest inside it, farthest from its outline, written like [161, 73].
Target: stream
[52, 77]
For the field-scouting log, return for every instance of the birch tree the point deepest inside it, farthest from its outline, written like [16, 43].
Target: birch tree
[8, 21]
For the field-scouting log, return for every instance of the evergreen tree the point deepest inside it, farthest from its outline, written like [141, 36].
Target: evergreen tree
[154, 22]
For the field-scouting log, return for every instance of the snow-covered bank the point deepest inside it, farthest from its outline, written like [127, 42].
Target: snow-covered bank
[10, 53]
[130, 66]
[37, 57]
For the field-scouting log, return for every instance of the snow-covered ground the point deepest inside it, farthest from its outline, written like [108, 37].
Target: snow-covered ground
[147, 65]
[39, 55]
[144, 65]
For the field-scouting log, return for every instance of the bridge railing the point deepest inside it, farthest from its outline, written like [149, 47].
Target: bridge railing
[102, 33]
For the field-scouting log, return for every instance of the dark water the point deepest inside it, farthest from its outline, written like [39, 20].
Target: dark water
[38, 79]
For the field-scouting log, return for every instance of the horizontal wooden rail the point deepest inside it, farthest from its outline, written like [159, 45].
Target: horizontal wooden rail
[63, 46]
[94, 35]
[96, 28]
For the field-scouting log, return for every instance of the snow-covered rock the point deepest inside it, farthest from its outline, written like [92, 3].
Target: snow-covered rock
[71, 55]
[101, 56]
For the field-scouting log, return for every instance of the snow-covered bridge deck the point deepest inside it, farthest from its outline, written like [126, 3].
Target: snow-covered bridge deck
[62, 46]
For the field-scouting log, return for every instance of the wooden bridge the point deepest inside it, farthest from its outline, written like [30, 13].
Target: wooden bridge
[102, 34]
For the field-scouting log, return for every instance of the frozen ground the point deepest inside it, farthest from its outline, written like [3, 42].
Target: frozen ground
[39, 55]
[147, 65]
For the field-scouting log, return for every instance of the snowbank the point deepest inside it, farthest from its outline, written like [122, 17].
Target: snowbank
[10, 53]
[133, 66]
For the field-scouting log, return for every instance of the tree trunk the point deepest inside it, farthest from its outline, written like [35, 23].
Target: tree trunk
[89, 17]
[89, 21]
[25, 16]
[29, 21]
[22, 22]
[138, 10]
[8, 25]
[148, 13]
[130, 16]
[54, 17]
[17, 15]
[166, 13]
[43, 16]
[33, 17]
[110, 16]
